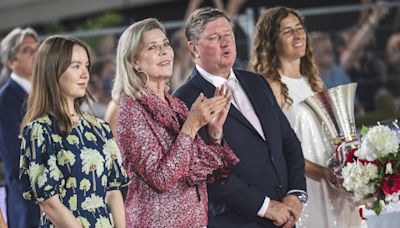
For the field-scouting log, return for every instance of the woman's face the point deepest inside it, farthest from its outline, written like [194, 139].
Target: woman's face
[74, 80]
[291, 43]
[156, 56]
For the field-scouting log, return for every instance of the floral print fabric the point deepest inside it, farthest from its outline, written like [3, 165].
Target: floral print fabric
[168, 169]
[80, 168]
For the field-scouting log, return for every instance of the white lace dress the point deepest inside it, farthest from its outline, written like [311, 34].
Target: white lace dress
[326, 207]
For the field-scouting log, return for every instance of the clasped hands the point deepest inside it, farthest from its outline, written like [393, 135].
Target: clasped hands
[284, 213]
[209, 111]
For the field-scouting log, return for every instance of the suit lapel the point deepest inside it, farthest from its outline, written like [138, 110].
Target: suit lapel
[18, 91]
[209, 89]
[261, 103]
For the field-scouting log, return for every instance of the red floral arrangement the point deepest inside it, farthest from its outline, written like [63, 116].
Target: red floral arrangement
[372, 171]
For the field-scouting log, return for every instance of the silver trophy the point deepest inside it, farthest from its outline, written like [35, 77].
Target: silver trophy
[335, 110]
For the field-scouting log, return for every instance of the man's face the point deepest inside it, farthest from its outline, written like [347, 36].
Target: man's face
[215, 50]
[22, 65]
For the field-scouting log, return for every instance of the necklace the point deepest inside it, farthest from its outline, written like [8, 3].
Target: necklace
[74, 118]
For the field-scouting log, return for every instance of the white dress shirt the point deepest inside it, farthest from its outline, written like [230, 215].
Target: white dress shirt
[218, 81]
[24, 83]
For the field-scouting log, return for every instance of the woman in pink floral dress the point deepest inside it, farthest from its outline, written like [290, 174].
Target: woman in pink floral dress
[167, 161]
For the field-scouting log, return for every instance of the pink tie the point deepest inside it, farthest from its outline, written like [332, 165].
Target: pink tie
[244, 105]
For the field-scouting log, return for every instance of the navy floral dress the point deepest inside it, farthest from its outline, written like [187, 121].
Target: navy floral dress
[80, 168]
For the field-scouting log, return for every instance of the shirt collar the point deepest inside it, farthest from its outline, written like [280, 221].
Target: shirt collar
[24, 83]
[215, 80]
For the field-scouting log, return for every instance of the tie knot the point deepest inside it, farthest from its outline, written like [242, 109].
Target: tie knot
[232, 82]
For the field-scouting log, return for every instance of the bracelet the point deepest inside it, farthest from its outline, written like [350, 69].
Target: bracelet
[216, 139]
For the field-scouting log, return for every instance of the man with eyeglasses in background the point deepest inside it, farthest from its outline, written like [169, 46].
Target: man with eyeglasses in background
[18, 50]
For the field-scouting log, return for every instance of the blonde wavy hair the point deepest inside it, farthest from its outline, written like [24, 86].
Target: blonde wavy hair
[128, 81]
[264, 57]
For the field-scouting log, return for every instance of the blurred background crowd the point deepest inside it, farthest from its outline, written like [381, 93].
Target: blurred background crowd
[353, 40]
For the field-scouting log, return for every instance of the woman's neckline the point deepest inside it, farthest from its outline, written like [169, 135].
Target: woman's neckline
[292, 77]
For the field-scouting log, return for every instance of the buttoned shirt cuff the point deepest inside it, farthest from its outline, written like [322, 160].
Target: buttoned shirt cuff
[295, 190]
[264, 207]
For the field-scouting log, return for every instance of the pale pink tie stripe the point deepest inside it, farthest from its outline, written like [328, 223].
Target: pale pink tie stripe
[243, 104]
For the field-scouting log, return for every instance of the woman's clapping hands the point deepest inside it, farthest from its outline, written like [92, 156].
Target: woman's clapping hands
[211, 111]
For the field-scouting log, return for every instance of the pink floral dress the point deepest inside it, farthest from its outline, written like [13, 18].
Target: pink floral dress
[168, 169]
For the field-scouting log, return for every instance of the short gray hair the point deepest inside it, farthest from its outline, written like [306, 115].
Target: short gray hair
[199, 18]
[127, 80]
[9, 46]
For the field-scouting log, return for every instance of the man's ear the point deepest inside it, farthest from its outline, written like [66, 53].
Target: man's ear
[193, 49]
[9, 63]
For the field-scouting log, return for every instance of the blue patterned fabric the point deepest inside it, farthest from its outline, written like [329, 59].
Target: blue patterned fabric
[79, 168]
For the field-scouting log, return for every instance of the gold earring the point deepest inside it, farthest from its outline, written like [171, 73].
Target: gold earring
[147, 76]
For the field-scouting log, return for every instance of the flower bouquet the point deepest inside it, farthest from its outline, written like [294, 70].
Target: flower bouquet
[368, 168]
[372, 170]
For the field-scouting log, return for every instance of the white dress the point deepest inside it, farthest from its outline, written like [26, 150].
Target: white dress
[326, 206]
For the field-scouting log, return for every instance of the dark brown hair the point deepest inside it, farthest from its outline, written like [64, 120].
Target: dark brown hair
[264, 58]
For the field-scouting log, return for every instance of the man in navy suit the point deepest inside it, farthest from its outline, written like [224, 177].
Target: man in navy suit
[18, 51]
[268, 187]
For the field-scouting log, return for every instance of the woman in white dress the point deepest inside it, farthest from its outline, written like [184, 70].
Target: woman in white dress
[282, 54]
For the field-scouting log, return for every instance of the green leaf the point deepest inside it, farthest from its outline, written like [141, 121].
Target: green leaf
[363, 131]
[368, 196]
[376, 207]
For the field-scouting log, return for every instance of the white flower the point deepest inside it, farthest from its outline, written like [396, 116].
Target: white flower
[92, 203]
[378, 142]
[389, 168]
[84, 222]
[84, 185]
[393, 198]
[55, 173]
[366, 152]
[71, 182]
[102, 222]
[73, 203]
[92, 161]
[111, 150]
[38, 174]
[357, 178]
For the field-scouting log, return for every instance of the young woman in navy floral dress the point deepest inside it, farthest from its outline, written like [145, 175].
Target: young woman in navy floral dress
[70, 162]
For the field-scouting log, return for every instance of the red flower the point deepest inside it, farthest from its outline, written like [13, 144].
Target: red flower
[391, 184]
[375, 162]
[350, 156]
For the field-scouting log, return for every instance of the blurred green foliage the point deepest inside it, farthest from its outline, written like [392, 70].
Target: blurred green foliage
[107, 20]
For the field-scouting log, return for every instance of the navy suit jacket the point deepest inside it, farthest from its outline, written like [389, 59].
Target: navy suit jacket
[268, 167]
[20, 212]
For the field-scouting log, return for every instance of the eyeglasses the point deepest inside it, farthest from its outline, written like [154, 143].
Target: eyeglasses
[28, 51]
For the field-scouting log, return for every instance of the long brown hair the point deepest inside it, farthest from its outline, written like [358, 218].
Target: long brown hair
[52, 60]
[264, 57]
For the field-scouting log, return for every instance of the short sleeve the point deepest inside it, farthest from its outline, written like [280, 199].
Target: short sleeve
[117, 176]
[40, 177]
